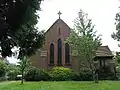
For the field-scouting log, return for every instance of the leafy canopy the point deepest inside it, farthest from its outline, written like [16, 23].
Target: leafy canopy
[13, 14]
[83, 39]
[116, 35]
[84, 42]
[20, 18]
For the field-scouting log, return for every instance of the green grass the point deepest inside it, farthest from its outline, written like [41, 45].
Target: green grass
[67, 85]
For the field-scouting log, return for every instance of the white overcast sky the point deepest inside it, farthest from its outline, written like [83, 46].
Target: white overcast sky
[102, 13]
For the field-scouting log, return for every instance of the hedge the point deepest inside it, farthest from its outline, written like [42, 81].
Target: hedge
[36, 74]
[61, 74]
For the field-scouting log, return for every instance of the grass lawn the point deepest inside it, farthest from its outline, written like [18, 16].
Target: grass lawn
[67, 85]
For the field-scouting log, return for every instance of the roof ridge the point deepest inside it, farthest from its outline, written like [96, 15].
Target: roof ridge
[54, 24]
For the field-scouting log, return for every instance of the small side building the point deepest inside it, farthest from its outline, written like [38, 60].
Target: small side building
[104, 57]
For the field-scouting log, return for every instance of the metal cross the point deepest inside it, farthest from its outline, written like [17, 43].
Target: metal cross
[59, 13]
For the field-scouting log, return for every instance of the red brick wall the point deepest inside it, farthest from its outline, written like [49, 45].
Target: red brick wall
[52, 36]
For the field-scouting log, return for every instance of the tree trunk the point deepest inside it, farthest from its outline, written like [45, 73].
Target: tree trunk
[96, 78]
[22, 79]
[94, 73]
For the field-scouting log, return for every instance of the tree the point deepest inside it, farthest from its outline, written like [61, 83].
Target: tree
[116, 35]
[117, 60]
[18, 19]
[23, 65]
[13, 14]
[84, 41]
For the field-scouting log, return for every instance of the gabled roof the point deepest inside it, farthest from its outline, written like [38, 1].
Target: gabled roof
[55, 23]
[104, 51]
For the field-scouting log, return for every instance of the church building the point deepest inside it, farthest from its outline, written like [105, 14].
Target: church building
[56, 52]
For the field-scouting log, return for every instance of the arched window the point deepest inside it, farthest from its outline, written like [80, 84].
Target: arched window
[51, 53]
[67, 53]
[59, 31]
[59, 52]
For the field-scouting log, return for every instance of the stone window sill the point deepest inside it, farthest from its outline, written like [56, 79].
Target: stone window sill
[59, 64]
[51, 64]
[67, 64]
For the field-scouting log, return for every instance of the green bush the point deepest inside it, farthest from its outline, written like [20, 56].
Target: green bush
[2, 69]
[118, 72]
[61, 74]
[12, 71]
[86, 75]
[104, 73]
[83, 75]
[3, 79]
[36, 74]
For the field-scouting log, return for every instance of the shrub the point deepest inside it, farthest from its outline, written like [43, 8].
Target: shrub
[36, 74]
[12, 71]
[3, 78]
[104, 73]
[118, 72]
[2, 69]
[61, 74]
[83, 75]
[86, 75]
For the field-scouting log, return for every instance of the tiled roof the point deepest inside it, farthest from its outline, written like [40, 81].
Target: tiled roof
[104, 51]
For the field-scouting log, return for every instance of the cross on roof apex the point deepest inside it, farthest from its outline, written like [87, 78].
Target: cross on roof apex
[59, 13]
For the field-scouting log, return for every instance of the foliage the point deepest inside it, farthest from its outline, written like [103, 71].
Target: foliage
[118, 68]
[4, 78]
[117, 60]
[84, 75]
[30, 41]
[12, 71]
[116, 35]
[23, 65]
[118, 72]
[13, 14]
[61, 74]
[36, 74]
[117, 57]
[104, 73]
[2, 69]
[20, 18]
[84, 41]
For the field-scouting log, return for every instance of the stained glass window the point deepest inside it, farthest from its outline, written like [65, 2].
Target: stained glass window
[51, 53]
[59, 52]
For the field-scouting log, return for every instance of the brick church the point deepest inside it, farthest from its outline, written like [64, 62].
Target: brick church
[56, 52]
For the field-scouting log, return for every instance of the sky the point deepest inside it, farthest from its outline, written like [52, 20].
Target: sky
[102, 13]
